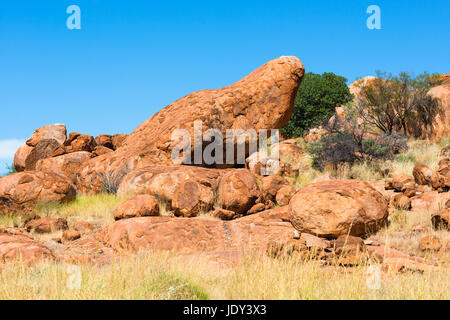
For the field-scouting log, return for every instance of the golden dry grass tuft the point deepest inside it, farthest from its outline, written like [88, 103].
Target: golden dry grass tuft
[163, 275]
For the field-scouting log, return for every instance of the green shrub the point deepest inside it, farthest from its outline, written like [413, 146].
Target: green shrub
[316, 99]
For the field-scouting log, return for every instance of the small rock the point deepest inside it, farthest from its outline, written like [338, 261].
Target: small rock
[137, 206]
[223, 214]
[70, 235]
[401, 202]
[430, 243]
[46, 225]
[284, 195]
[257, 208]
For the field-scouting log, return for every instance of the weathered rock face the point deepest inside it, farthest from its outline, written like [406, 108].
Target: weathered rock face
[262, 100]
[441, 123]
[21, 155]
[138, 206]
[429, 201]
[284, 195]
[192, 198]
[56, 132]
[117, 140]
[238, 191]
[46, 225]
[401, 202]
[20, 192]
[441, 220]
[423, 175]
[67, 165]
[339, 207]
[271, 185]
[199, 235]
[430, 243]
[18, 245]
[284, 159]
[44, 149]
[104, 140]
[401, 183]
[79, 142]
[162, 182]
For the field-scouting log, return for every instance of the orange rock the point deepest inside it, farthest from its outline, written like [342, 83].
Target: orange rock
[46, 225]
[67, 165]
[422, 174]
[257, 208]
[44, 149]
[20, 156]
[162, 181]
[402, 182]
[20, 192]
[441, 123]
[262, 100]
[70, 235]
[83, 226]
[271, 185]
[191, 198]
[284, 195]
[137, 206]
[56, 132]
[20, 246]
[441, 220]
[430, 201]
[104, 140]
[401, 202]
[238, 191]
[430, 243]
[117, 140]
[338, 207]
[198, 234]
[100, 150]
[79, 142]
[223, 214]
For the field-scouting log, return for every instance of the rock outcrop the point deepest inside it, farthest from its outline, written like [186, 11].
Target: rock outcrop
[16, 244]
[198, 234]
[20, 192]
[262, 100]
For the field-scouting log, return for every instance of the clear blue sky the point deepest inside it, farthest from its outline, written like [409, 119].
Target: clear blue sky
[131, 58]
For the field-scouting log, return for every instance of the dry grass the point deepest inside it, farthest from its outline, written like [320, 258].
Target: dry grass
[98, 209]
[156, 275]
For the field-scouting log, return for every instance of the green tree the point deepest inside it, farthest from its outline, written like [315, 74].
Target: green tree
[394, 103]
[316, 99]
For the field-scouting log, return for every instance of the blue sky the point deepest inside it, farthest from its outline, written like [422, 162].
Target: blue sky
[132, 58]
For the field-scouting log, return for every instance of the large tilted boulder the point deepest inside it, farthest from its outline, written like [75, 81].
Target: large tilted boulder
[199, 235]
[16, 244]
[20, 192]
[330, 209]
[262, 100]
[238, 191]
